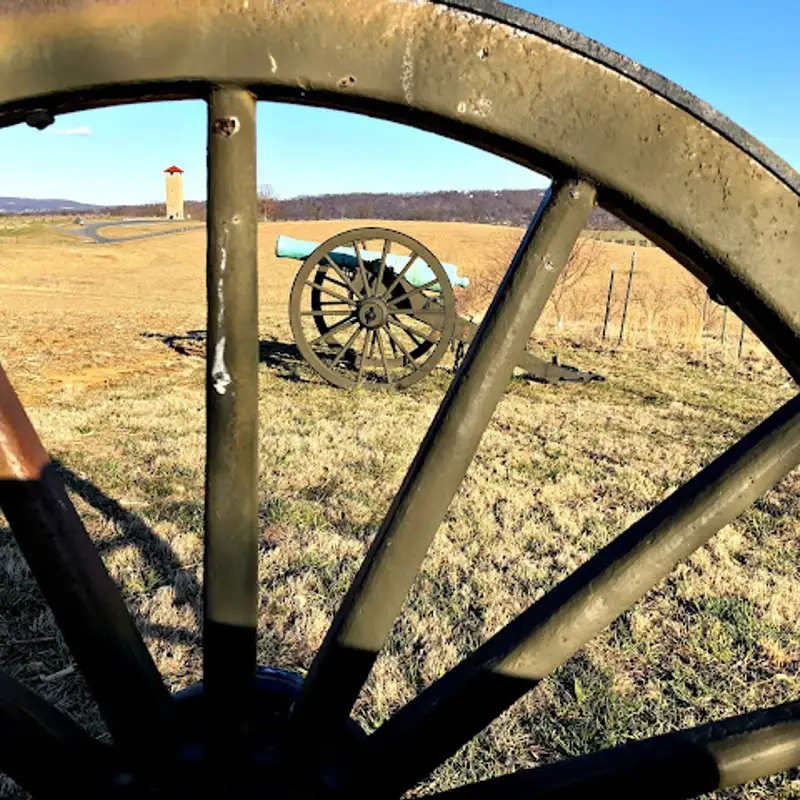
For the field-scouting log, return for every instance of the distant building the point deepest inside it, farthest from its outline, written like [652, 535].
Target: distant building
[174, 192]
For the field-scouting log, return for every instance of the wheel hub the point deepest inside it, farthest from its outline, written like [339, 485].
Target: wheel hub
[372, 313]
[246, 763]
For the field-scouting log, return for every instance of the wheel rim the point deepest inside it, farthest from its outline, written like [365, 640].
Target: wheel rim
[366, 324]
[630, 133]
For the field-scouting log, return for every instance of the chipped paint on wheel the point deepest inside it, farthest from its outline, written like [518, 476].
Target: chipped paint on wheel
[219, 372]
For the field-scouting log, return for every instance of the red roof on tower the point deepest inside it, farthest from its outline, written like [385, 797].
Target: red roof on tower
[173, 169]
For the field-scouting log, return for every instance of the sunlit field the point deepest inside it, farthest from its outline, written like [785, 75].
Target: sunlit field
[105, 346]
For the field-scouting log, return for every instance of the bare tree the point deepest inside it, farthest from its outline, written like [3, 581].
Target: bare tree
[696, 294]
[584, 257]
[268, 207]
[365, 209]
[654, 299]
[312, 209]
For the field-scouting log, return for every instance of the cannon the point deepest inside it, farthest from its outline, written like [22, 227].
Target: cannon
[374, 306]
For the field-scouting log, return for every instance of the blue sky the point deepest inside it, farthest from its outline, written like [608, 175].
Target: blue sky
[738, 56]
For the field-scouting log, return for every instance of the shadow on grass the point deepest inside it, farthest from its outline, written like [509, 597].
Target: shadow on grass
[278, 355]
[155, 550]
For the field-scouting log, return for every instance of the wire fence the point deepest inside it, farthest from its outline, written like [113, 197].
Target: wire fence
[642, 299]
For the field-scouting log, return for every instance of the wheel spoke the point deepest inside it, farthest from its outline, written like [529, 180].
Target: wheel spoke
[319, 287]
[372, 348]
[84, 599]
[231, 526]
[387, 244]
[672, 766]
[416, 290]
[451, 711]
[348, 284]
[399, 344]
[368, 336]
[433, 319]
[397, 278]
[362, 270]
[351, 320]
[43, 749]
[422, 314]
[342, 312]
[386, 370]
[365, 617]
[412, 333]
[331, 280]
[347, 346]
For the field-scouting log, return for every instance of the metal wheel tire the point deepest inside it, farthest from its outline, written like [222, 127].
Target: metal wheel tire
[608, 132]
[335, 341]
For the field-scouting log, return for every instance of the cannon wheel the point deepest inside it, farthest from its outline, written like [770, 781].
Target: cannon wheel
[319, 302]
[606, 130]
[370, 326]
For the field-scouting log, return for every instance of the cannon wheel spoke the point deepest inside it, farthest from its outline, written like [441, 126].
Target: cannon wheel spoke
[455, 708]
[340, 284]
[329, 313]
[339, 326]
[673, 766]
[368, 338]
[85, 600]
[348, 344]
[400, 275]
[385, 363]
[410, 332]
[387, 246]
[321, 288]
[231, 512]
[348, 284]
[395, 342]
[367, 613]
[361, 269]
[44, 750]
[393, 305]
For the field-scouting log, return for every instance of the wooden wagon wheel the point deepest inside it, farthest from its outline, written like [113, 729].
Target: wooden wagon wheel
[607, 131]
[363, 321]
[319, 302]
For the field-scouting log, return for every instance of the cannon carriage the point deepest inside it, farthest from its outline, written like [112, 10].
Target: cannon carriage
[375, 307]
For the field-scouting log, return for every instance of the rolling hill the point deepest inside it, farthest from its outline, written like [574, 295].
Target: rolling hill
[510, 207]
[35, 205]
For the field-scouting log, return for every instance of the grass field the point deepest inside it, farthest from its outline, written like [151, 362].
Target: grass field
[105, 346]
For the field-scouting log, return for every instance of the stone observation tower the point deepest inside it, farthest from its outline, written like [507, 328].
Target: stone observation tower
[174, 192]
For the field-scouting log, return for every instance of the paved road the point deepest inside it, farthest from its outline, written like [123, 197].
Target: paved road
[92, 230]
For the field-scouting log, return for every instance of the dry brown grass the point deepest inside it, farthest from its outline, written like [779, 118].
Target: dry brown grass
[85, 336]
[668, 307]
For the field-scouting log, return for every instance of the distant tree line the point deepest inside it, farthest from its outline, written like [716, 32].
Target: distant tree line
[513, 207]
